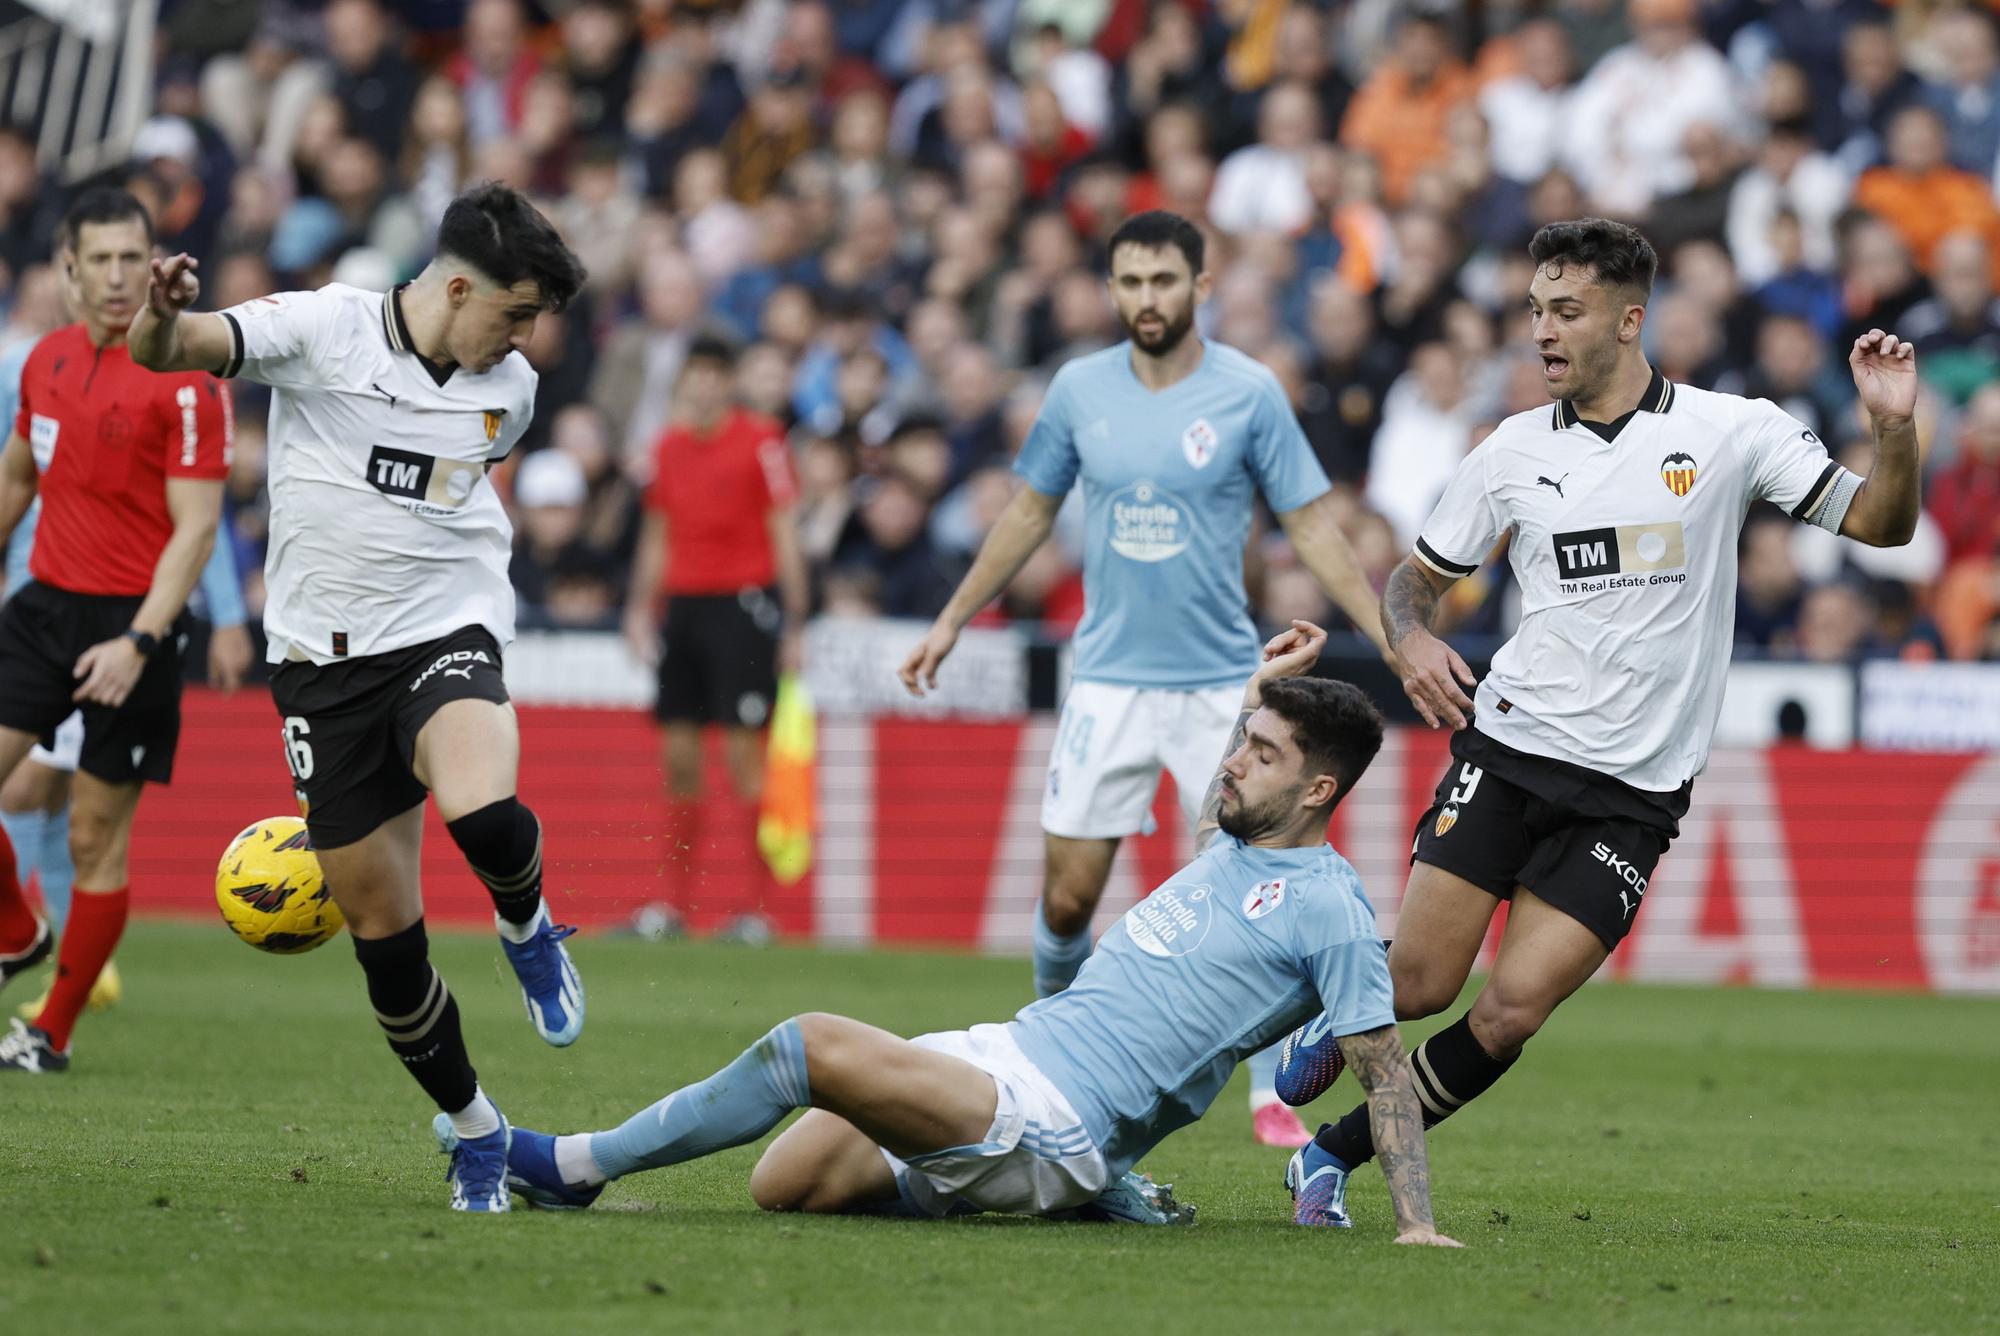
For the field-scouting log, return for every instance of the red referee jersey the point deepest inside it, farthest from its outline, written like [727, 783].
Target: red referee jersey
[107, 434]
[716, 491]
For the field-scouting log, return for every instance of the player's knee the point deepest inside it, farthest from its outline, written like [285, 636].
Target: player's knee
[1421, 989]
[777, 1187]
[1503, 1021]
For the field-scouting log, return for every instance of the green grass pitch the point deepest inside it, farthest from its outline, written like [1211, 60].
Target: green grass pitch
[236, 1151]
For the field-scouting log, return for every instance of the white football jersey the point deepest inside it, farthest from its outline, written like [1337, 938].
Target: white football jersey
[385, 532]
[1625, 551]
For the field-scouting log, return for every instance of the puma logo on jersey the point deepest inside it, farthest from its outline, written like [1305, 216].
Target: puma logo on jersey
[458, 663]
[384, 393]
[1556, 483]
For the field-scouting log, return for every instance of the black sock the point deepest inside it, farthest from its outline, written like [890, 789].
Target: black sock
[1451, 1071]
[417, 1013]
[503, 842]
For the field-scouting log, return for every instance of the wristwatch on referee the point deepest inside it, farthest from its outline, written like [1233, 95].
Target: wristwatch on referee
[145, 640]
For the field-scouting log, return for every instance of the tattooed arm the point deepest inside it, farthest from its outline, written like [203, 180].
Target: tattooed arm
[1409, 606]
[1287, 654]
[1376, 1057]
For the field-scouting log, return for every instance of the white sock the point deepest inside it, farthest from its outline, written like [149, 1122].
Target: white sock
[521, 932]
[575, 1163]
[477, 1119]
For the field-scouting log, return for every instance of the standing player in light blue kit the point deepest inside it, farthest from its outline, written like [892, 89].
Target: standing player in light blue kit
[1172, 436]
[1047, 1114]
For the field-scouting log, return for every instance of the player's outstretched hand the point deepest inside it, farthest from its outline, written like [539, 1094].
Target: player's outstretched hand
[1432, 672]
[1885, 374]
[1427, 1238]
[919, 671]
[109, 669]
[174, 286]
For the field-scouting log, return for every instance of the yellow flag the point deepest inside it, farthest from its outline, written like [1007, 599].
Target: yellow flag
[785, 818]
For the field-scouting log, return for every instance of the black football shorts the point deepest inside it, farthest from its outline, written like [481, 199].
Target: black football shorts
[351, 727]
[1584, 842]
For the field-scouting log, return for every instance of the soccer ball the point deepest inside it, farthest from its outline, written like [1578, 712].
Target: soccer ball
[270, 889]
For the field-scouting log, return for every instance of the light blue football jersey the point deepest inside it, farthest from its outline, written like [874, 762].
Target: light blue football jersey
[23, 540]
[1168, 478]
[1241, 947]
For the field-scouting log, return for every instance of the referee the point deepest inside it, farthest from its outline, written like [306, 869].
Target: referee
[1573, 764]
[129, 467]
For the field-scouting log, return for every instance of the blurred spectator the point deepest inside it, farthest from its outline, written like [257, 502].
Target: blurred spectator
[1628, 123]
[374, 84]
[1968, 98]
[1398, 116]
[554, 570]
[1527, 111]
[1793, 372]
[1957, 332]
[1875, 88]
[1880, 281]
[641, 361]
[610, 525]
[775, 128]
[1427, 425]
[601, 61]
[1796, 287]
[1792, 177]
[494, 69]
[1837, 625]
[888, 543]
[1769, 592]
[1262, 187]
[1346, 382]
[1964, 496]
[1920, 194]
[1699, 211]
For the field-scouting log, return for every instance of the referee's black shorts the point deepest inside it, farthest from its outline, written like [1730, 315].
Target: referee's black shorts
[1584, 842]
[719, 658]
[43, 632]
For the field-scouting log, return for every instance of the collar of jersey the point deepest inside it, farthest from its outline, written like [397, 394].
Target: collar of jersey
[1658, 398]
[397, 331]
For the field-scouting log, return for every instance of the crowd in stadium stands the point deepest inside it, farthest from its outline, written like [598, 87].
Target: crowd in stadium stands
[896, 211]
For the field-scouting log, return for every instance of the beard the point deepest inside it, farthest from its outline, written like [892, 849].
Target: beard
[1246, 822]
[1173, 329]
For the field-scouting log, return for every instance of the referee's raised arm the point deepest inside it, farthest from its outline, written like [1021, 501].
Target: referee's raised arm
[163, 337]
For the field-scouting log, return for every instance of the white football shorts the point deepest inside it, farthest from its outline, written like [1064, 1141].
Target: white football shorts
[1037, 1157]
[1113, 742]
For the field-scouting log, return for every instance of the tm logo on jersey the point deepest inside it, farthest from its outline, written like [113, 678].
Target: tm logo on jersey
[1588, 560]
[1172, 921]
[1148, 523]
[429, 483]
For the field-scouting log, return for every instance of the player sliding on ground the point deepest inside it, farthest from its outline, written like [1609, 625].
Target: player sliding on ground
[389, 604]
[1047, 1113]
[1571, 781]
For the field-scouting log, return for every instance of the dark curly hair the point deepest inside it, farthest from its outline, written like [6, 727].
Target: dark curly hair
[496, 230]
[1616, 253]
[1334, 724]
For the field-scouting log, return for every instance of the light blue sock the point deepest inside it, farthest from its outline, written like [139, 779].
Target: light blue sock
[1263, 1067]
[1057, 958]
[740, 1103]
[56, 868]
[24, 829]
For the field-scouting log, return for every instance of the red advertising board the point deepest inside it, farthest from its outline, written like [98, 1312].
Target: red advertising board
[1794, 868]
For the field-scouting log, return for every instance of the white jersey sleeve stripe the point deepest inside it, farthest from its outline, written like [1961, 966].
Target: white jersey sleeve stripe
[1451, 569]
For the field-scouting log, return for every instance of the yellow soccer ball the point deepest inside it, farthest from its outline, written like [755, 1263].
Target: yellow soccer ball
[271, 892]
